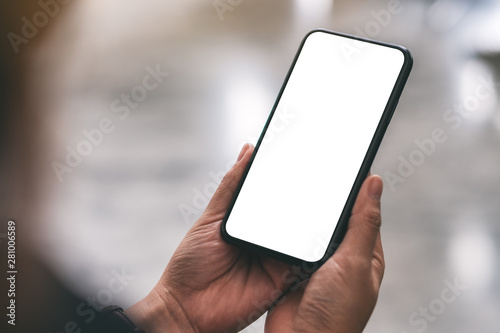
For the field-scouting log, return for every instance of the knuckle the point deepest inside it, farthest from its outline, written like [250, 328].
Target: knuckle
[374, 218]
[228, 181]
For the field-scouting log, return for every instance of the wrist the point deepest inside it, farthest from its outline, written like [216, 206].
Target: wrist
[159, 313]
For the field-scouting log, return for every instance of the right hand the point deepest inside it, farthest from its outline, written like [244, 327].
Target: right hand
[341, 294]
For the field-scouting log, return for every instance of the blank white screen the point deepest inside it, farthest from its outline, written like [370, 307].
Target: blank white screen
[300, 179]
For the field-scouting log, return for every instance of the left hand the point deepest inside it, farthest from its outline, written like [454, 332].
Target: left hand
[209, 285]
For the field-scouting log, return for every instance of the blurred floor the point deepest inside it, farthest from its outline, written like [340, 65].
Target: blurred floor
[131, 200]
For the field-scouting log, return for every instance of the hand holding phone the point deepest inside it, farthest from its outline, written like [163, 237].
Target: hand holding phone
[341, 295]
[215, 287]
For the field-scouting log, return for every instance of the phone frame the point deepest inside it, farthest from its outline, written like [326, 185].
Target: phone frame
[364, 169]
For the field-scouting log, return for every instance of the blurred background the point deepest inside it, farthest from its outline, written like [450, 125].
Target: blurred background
[157, 97]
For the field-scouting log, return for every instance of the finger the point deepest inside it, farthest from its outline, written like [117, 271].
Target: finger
[222, 197]
[280, 317]
[243, 151]
[364, 224]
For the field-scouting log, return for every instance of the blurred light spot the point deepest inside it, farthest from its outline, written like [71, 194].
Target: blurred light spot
[472, 256]
[444, 15]
[248, 104]
[482, 30]
[313, 9]
[477, 109]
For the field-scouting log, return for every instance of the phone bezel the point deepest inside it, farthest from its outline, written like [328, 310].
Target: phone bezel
[341, 227]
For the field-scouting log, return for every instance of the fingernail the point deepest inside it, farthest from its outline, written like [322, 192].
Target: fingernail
[242, 152]
[375, 188]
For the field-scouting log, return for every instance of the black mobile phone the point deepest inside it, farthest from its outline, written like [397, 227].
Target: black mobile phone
[295, 198]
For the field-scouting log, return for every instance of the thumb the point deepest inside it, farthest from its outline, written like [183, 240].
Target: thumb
[364, 225]
[221, 199]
